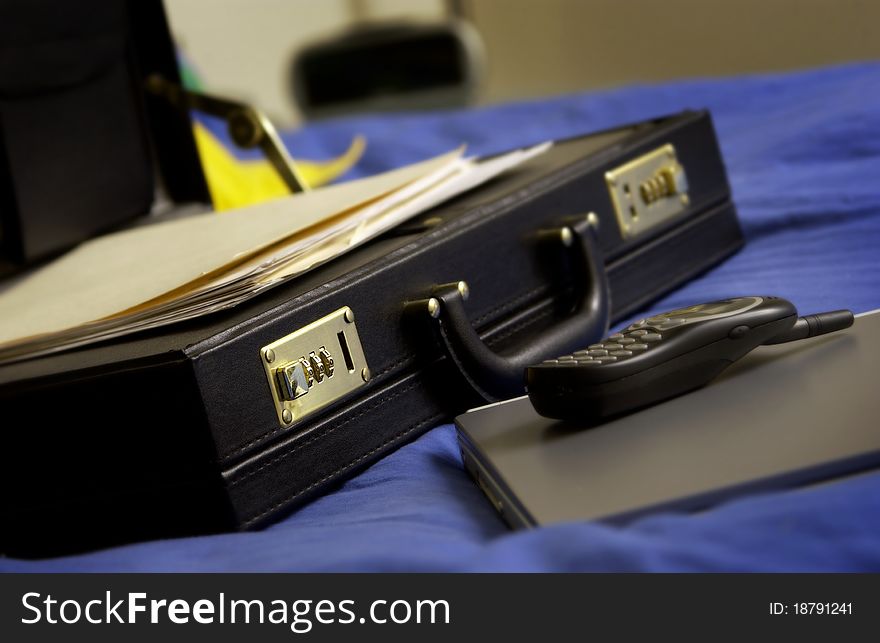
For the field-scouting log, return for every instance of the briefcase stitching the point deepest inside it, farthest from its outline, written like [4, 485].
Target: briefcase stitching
[324, 433]
[412, 428]
[540, 290]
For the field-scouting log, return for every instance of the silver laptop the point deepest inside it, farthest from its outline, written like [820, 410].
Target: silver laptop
[783, 416]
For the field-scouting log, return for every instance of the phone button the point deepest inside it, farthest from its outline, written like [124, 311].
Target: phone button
[738, 332]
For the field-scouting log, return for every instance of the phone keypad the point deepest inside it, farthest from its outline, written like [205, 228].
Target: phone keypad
[617, 347]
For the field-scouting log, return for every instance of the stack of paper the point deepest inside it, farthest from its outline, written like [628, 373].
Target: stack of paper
[164, 273]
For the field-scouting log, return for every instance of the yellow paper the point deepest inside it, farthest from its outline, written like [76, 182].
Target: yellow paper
[234, 183]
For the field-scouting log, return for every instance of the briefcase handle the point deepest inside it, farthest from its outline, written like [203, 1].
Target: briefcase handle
[496, 376]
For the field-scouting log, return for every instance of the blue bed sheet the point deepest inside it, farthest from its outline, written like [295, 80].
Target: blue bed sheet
[803, 155]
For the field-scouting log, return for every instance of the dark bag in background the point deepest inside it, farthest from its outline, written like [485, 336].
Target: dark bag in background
[77, 133]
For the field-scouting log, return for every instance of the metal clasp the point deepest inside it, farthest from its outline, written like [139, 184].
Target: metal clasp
[314, 366]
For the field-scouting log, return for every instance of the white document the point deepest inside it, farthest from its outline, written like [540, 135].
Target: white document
[163, 273]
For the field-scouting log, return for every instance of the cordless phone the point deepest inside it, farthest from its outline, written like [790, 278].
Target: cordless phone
[666, 355]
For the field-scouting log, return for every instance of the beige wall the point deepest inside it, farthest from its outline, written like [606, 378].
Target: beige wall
[537, 47]
[243, 47]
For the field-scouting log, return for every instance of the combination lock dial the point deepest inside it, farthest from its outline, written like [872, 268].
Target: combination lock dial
[296, 379]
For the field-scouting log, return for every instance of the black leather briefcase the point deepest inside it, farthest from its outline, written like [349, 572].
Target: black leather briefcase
[228, 421]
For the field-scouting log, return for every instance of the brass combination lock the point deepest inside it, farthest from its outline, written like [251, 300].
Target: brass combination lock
[648, 191]
[301, 369]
